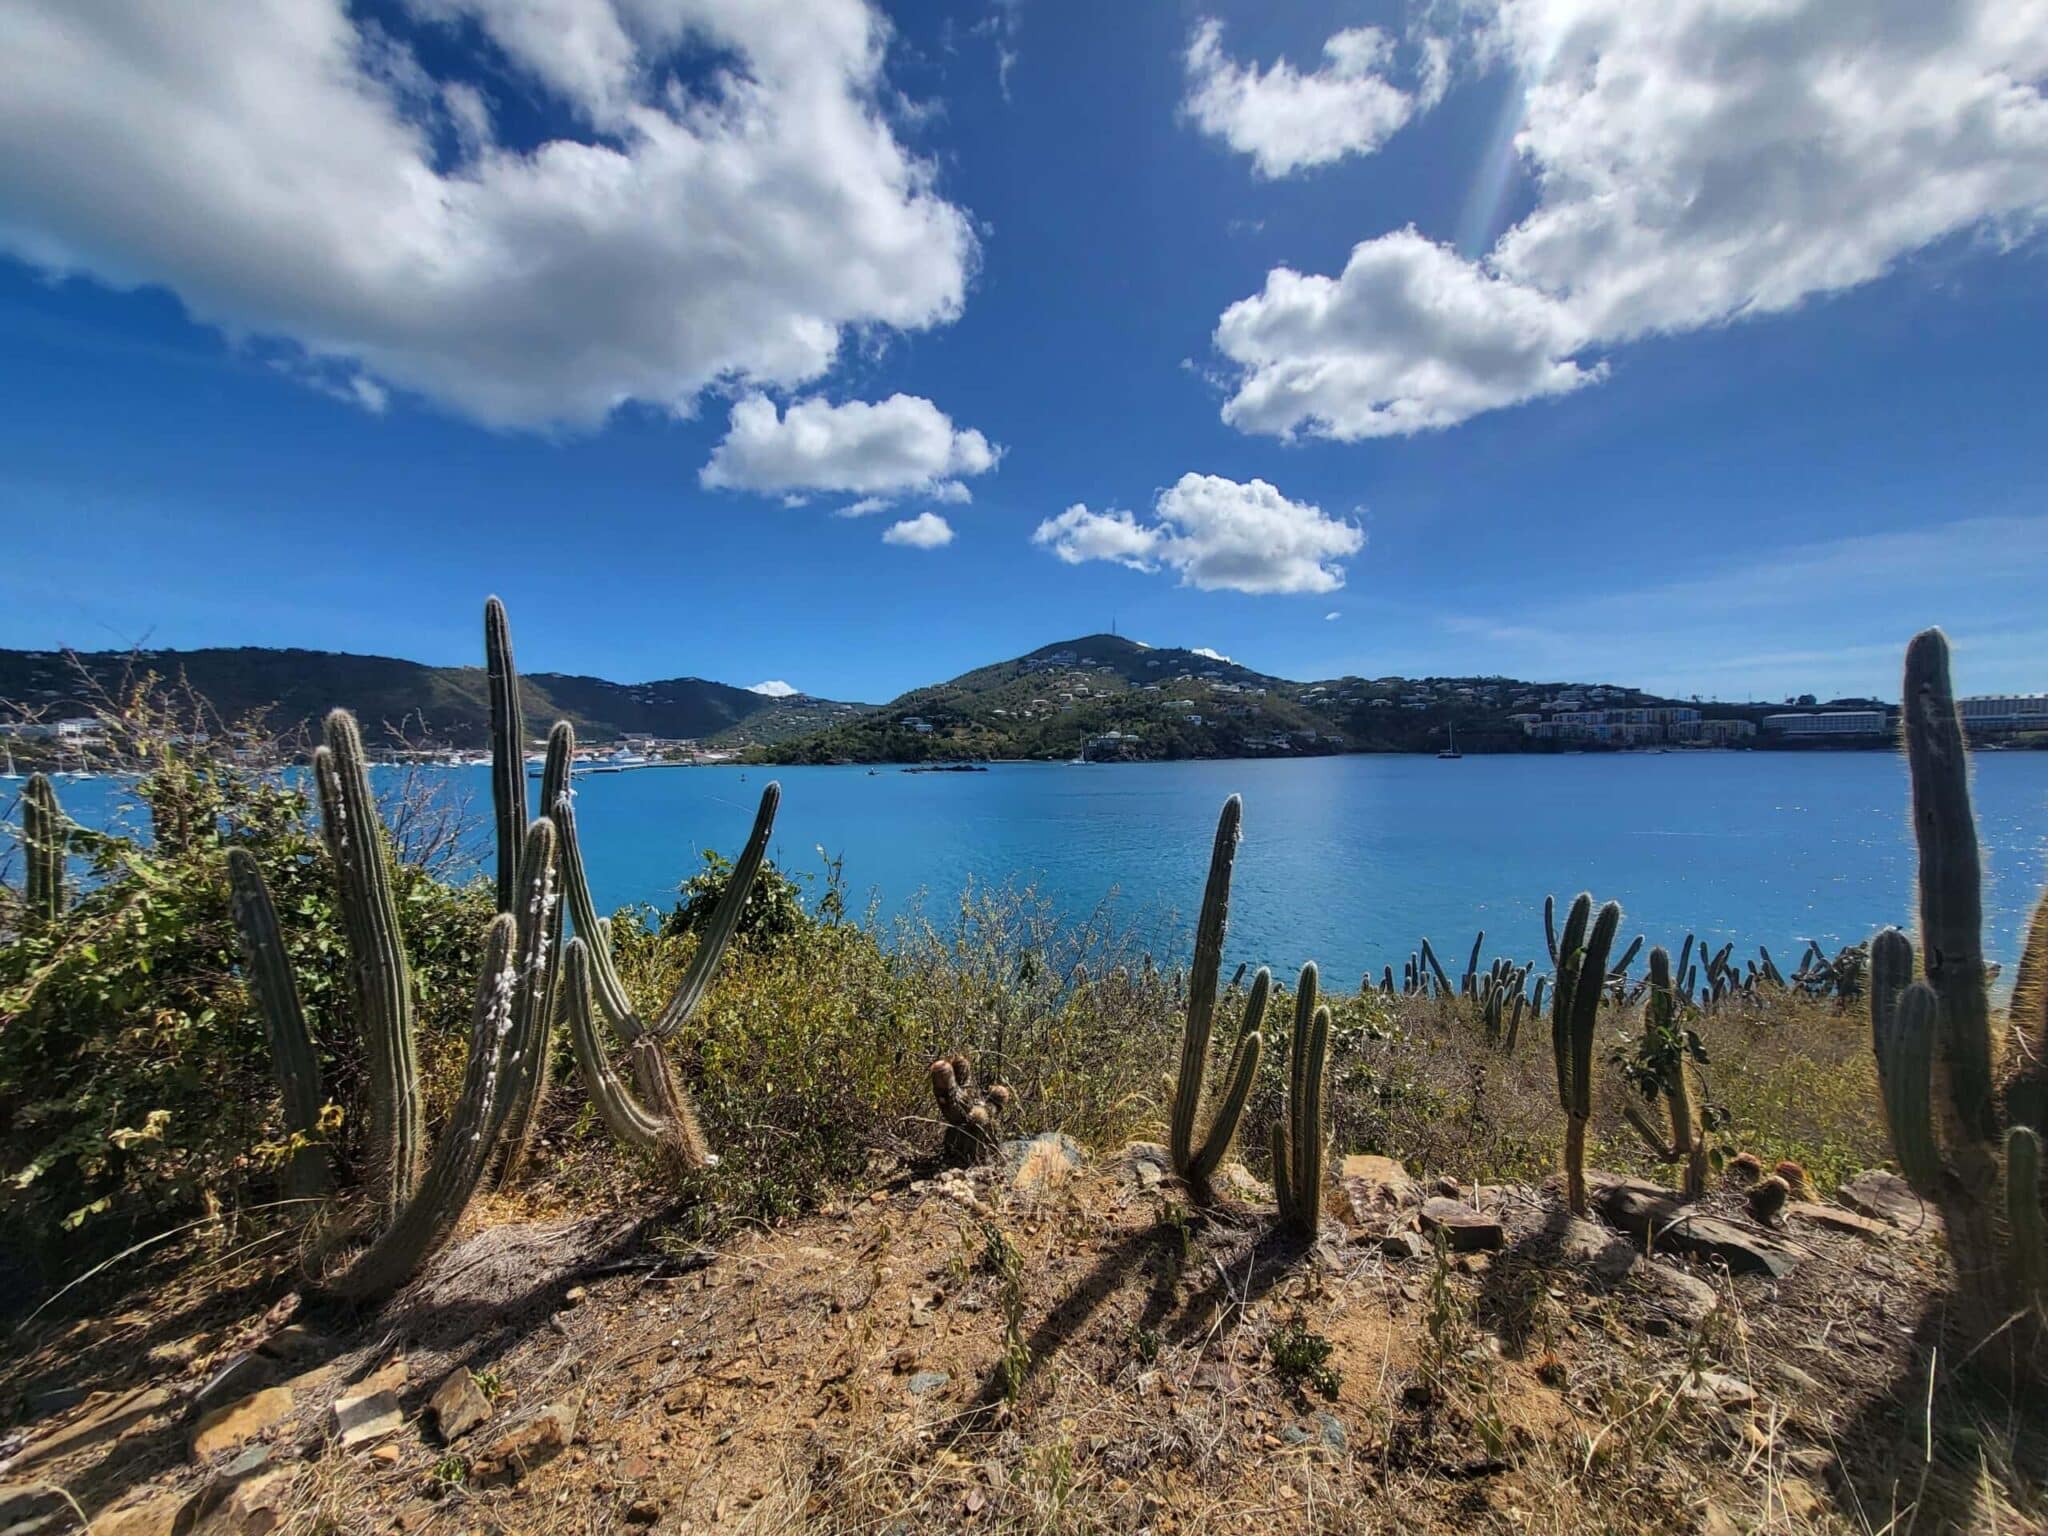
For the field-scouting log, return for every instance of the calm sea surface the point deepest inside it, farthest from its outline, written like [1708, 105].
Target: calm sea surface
[1345, 860]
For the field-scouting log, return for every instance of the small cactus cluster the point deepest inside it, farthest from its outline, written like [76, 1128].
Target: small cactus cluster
[1975, 1157]
[971, 1123]
[43, 838]
[1502, 995]
[1667, 1046]
[1299, 1145]
[1195, 1161]
[1581, 956]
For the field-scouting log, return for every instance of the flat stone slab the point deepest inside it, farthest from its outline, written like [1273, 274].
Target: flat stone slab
[1465, 1229]
[105, 1419]
[1884, 1196]
[224, 1429]
[366, 1418]
[1836, 1219]
[458, 1405]
[1034, 1164]
[1661, 1220]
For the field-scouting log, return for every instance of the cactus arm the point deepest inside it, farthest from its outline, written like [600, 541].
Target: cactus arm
[293, 1057]
[42, 830]
[1443, 982]
[1621, 966]
[1309, 1155]
[1951, 877]
[540, 935]
[1586, 1006]
[611, 992]
[1569, 958]
[1550, 926]
[1639, 1122]
[1244, 1071]
[1902, 1034]
[630, 1123]
[1298, 1130]
[725, 920]
[380, 977]
[1472, 966]
[508, 750]
[1208, 964]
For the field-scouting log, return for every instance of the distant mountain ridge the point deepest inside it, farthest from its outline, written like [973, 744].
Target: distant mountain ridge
[396, 699]
[1116, 698]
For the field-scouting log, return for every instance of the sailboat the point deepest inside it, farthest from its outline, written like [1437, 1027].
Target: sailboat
[1452, 749]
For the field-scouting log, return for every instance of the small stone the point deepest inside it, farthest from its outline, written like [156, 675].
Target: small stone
[458, 1405]
[517, 1452]
[1684, 1296]
[254, 1508]
[1718, 1522]
[1377, 1190]
[1331, 1430]
[385, 1455]
[927, 1381]
[1801, 1499]
[1882, 1194]
[575, 1294]
[366, 1417]
[643, 1511]
[1463, 1228]
[237, 1423]
[1404, 1244]
[388, 1377]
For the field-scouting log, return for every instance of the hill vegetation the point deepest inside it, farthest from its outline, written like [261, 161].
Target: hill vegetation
[1118, 699]
[408, 701]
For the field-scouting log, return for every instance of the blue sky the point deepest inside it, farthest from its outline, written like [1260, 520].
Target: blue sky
[1602, 341]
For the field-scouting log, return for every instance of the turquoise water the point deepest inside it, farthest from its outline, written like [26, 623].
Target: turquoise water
[1346, 860]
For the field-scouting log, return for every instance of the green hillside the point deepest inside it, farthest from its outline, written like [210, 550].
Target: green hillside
[1118, 699]
[405, 700]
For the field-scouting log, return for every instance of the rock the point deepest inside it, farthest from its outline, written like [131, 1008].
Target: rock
[1662, 1221]
[1836, 1219]
[226, 1428]
[366, 1418]
[458, 1405]
[519, 1450]
[235, 1380]
[255, 1507]
[643, 1511]
[388, 1377]
[1465, 1229]
[1715, 1389]
[1378, 1192]
[159, 1514]
[1237, 1182]
[1146, 1164]
[1034, 1164]
[927, 1381]
[574, 1295]
[385, 1455]
[28, 1506]
[1885, 1196]
[53, 1401]
[1718, 1522]
[107, 1417]
[1683, 1296]
[1404, 1244]
[1607, 1254]
[1801, 1499]
[295, 1343]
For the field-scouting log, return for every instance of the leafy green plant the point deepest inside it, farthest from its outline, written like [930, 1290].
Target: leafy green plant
[1301, 1358]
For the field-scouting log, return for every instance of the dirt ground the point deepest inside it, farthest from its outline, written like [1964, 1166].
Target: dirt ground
[1044, 1350]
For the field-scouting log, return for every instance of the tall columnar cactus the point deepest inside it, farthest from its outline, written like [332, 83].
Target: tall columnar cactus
[508, 750]
[1299, 1144]
[379, 977]
[293, 1055]
[1196, 1164]
[1936, 1050]
[661, 1119]
[1666, 1043]
[1575, 1010]
[42, 835]
[1469, 982]
[524, 1128]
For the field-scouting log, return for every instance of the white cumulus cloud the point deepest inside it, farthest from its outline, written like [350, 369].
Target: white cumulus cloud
[721, 198]
[1218, 534]
[1695, 162]
[1213, 655]
[774, 688]
[879, 451]
[927, 530]
[1287, 120]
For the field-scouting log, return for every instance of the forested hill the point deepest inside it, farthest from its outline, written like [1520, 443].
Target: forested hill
[396, 699]
[1116, 698]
